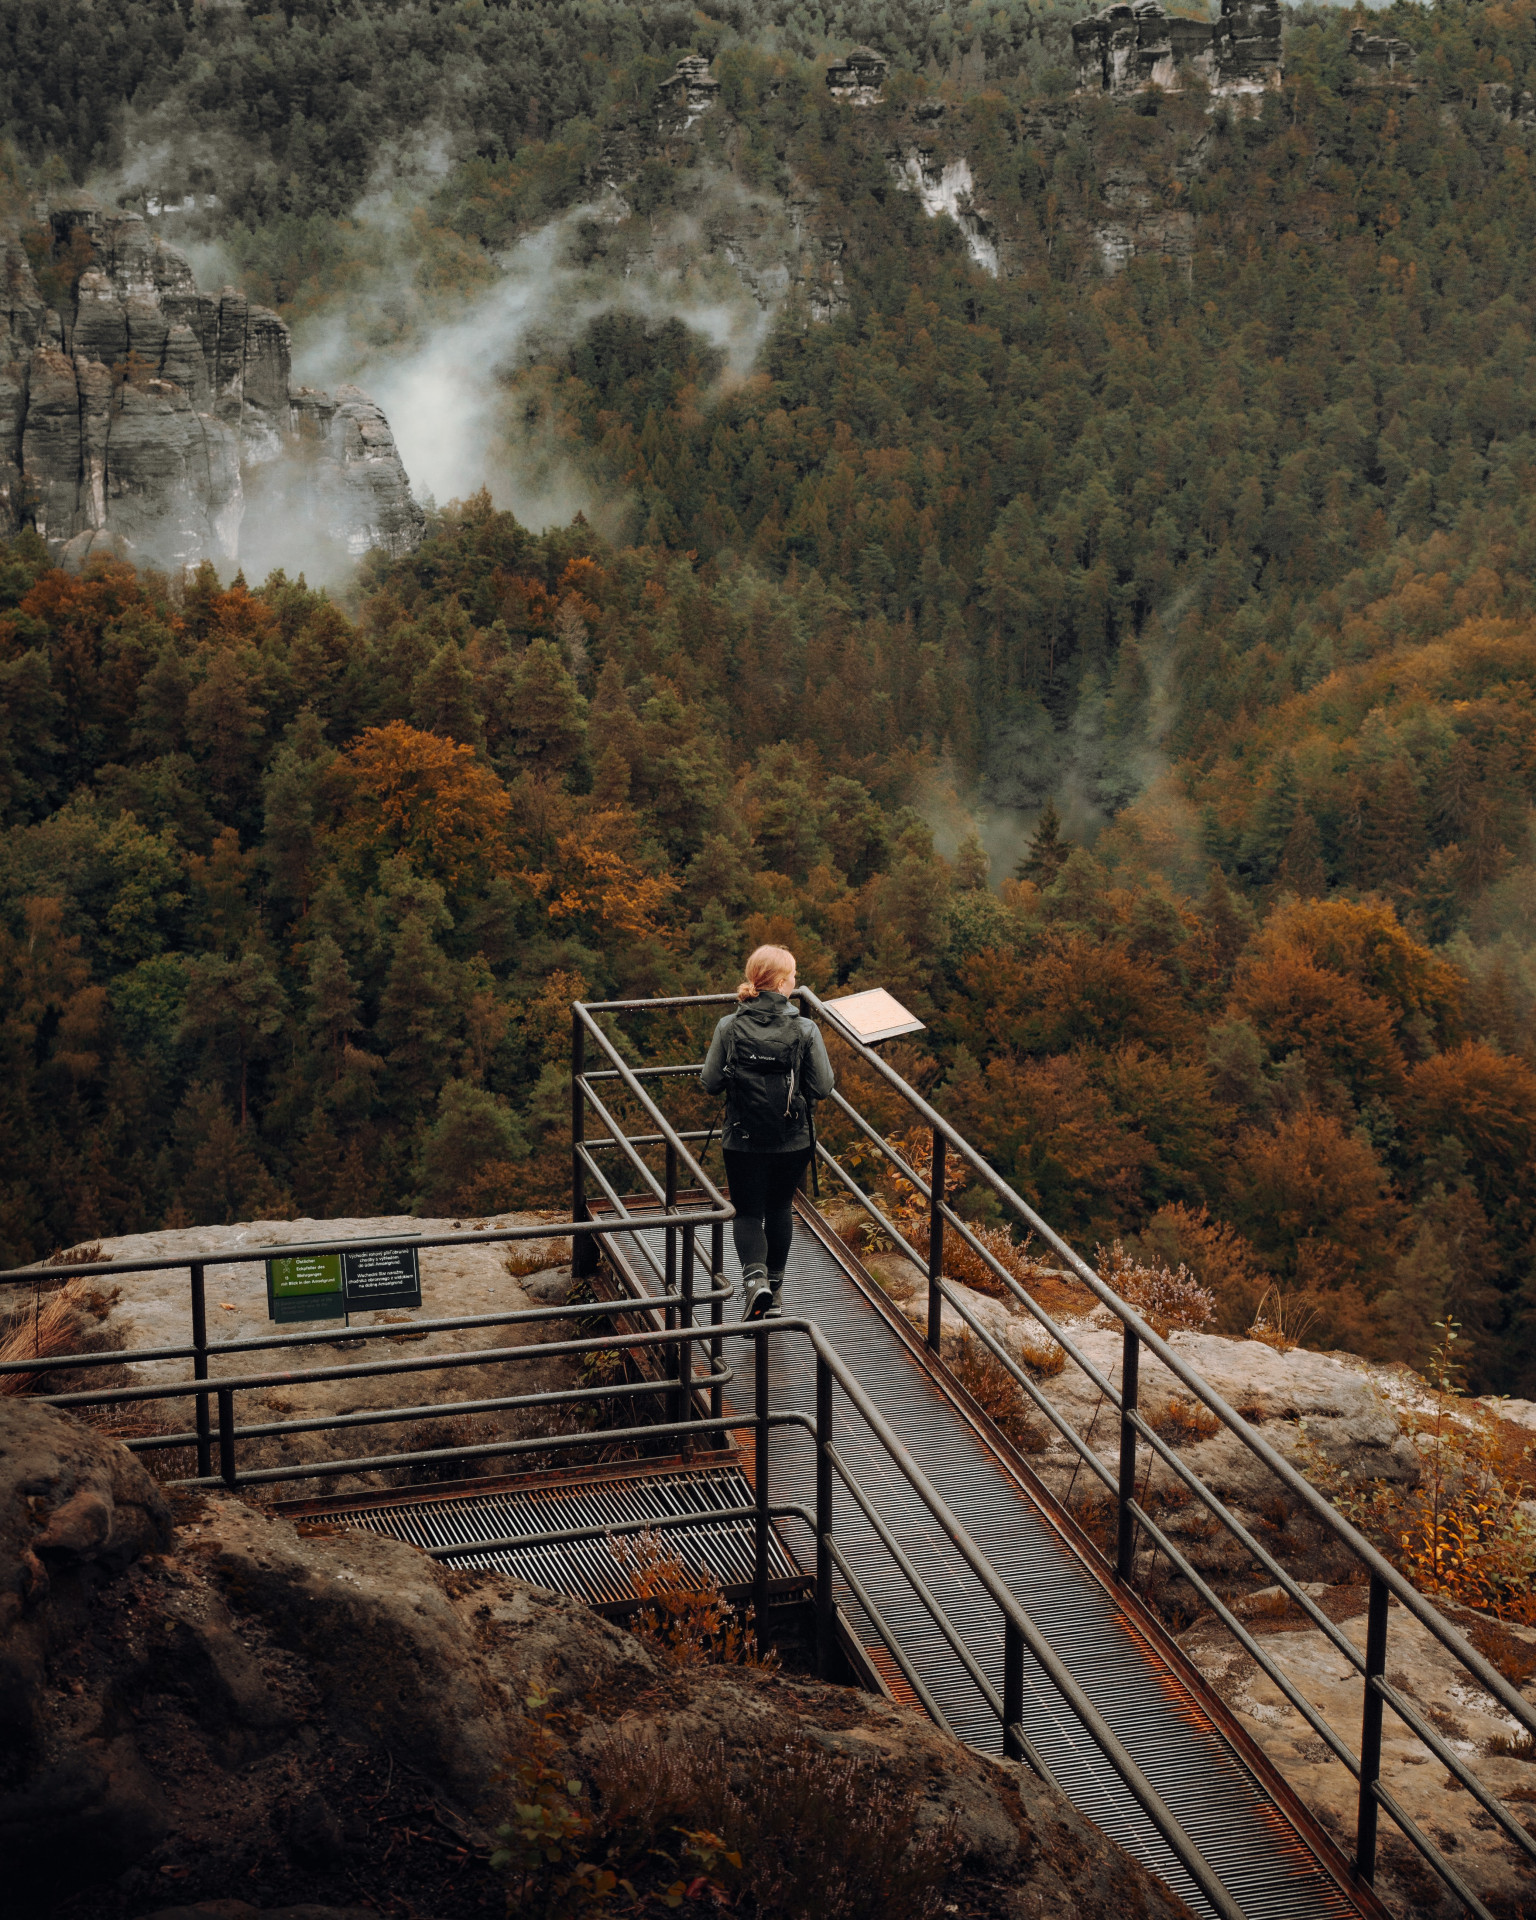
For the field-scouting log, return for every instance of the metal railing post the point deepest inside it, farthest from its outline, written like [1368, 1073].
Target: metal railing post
[760, 1479]
[1370, 1730]
[1125, 1532]
[200, 1369]
[670, 1206]
[716, 1314]
[685, 1347]
[1013, 1690]
[584, 1247]
[936, 1242]
[825, 1640]
[227, 1437]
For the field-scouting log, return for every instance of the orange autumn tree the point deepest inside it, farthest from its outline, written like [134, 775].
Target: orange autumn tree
[599, 877]
[413, 793]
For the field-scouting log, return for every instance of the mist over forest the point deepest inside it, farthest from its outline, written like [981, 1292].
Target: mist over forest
[1119, 644]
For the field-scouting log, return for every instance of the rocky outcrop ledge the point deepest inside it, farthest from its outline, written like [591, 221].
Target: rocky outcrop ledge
[147, 416]
[212, 1706]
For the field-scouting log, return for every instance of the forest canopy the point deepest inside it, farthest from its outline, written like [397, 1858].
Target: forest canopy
[1231, 555]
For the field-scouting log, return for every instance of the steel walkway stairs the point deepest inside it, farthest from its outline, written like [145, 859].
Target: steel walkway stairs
[1267, 1849]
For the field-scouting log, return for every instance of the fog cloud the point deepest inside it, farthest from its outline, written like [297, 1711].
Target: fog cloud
[456, 391]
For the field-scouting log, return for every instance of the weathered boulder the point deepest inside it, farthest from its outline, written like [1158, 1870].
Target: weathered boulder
[243, 1711]
[75, 1511]
[140, 413]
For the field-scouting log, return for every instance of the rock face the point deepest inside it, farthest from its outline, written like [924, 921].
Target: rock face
[1129, 47]
[138, 417]
[1379, 60]
[858, 78]
[947, 186]
[690, 91]
[232, 1710]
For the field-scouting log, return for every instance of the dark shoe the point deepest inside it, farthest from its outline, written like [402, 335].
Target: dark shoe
[757, 1295]
[776, 1305]
[760, 1301]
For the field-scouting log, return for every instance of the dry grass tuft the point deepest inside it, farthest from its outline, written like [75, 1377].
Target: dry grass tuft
[1519, 1746]
[88, 1254]
[1183, 1422]
[536, 1256]
[1043, 1358]
[1513, 1657]
[996, 1392]
[43, 1330]
[1282, 1321]
[686, 1618]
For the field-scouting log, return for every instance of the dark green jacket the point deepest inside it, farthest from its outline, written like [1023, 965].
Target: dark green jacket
[767, 1011]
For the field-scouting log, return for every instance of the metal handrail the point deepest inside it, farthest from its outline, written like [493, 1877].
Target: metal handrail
[1384, 1577]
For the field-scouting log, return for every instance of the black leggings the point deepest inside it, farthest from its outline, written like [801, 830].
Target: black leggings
[762, 1188]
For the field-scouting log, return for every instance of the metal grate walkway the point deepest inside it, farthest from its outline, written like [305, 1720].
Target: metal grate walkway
[591, 1570]
[1261, 1853]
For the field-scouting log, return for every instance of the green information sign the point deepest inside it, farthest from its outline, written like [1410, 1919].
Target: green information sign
[307, 1287]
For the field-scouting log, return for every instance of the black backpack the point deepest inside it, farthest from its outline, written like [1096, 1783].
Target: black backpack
[762, 1081]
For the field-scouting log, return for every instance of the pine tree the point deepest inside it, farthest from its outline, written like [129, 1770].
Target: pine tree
[549, 727]
[443, 698]
[973, 864]
[1270, 824]
[237, 1008]
[332, 1014]
[1301, 864]
[418, 1018]
[1047, 851]
[468, 1158]
[290, 794]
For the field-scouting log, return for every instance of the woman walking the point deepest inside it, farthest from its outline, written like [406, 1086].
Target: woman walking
[771, 1063]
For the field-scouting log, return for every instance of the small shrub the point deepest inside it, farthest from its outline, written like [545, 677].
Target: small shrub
[686, 1618]
[1166, 1297]
[1182, 1422]
[1519, 1746]
[814, 1832]
[1464, 1532]
[996, 1392]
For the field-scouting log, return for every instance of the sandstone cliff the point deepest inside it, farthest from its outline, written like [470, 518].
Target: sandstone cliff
[150, 416]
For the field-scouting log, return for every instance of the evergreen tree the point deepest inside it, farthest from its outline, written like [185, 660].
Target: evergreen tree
[418, 1018]
[973, 864]
[549, 727]
[1270, 824]
[1047, 852]
[468, 1160]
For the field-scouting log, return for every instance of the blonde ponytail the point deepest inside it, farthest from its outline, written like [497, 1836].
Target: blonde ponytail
[765, 966]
